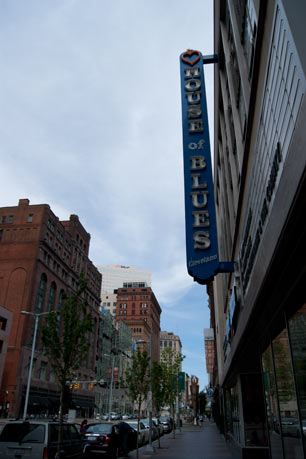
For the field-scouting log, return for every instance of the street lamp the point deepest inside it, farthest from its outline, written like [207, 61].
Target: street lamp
[37, 316]
[150, 447]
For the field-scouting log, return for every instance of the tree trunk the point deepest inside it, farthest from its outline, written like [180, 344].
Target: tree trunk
[138, 419]
[173, 419]
[60, 428]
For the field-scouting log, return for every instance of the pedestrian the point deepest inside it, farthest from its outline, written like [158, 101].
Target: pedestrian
[124, 430]
[83, 426]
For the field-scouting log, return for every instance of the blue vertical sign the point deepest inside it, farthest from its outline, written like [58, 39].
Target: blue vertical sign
[201, 228]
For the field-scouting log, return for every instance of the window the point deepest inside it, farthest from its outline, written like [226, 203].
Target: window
[1, 232]
[10, 219]
[41, 293]
[3, 323]
[42, 370]
[1, 345]
[52, 296]
[30, 218]
[3, 219]
[52, 375]
[123, 305]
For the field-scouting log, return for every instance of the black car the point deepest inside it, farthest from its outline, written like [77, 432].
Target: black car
[103, 438]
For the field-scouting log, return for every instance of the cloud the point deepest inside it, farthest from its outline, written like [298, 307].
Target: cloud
[90, 123]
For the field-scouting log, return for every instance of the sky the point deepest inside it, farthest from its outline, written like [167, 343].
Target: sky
[90, 123]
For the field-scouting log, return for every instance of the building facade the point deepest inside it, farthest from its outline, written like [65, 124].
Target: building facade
[171, 341]
[113, 276]
[41, 258]
[259, 168]
[139, 309]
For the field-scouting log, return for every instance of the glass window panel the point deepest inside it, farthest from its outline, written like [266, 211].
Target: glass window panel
[253, 410]
[271, 404]
[289, 417]
[297, 331]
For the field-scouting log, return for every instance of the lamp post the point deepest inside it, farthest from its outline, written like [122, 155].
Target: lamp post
[150, 447]
[37, 316]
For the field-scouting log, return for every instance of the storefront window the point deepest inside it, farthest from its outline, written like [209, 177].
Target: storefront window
[289, 425]
[271, 404]
[253, 410]
[232, 420]
[297, 332]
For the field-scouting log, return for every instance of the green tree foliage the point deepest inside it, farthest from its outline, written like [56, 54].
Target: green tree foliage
[137, 380]
[65, 338]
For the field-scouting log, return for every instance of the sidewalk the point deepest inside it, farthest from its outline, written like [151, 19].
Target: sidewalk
[194, 442]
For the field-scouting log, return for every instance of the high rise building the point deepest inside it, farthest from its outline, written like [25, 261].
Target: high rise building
[41, 258]
[171, 341]
[138, 307]
[113, 276]
[260, 186]
[116, 276]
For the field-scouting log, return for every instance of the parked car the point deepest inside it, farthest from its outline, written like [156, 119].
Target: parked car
[166, 423]
[155, 429]
[38, 439]
[159, 425]
[143, 436]
[103, 439]
[304, 426]
[291, 427]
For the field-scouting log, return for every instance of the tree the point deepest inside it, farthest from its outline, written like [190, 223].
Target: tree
[171, 364]
[65, 341]
[137, 380]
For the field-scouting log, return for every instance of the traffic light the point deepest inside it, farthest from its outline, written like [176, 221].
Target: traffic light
[92, 385]
[71, 386]
[77, 386]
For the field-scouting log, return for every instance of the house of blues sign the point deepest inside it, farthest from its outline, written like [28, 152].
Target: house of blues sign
[201, 230]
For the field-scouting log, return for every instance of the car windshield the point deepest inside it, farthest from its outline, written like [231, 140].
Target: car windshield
[99, 428]
[23, 433]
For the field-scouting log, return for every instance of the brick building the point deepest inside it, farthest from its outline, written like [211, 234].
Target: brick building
[139, 309]
[40, 259]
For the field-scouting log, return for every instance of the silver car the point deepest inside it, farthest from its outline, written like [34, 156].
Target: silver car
[38, 440]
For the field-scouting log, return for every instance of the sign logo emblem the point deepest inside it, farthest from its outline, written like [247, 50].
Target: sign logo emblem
[190, 53]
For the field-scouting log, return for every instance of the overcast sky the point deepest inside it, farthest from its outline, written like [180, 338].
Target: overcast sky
[91, 124]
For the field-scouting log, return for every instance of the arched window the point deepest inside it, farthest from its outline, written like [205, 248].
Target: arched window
[52, 294]
[41, 293]
[59, 307]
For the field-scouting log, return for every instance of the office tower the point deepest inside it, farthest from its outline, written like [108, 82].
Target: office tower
[113, 277]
